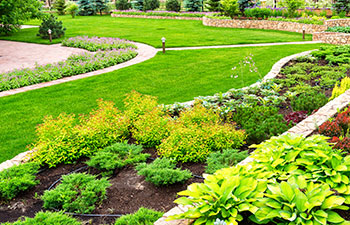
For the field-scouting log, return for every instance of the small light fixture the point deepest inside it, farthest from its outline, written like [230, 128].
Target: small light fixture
[163, 44]
[304, 32]
[49, 31]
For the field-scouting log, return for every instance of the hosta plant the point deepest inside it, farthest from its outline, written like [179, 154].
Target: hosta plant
[220, 198]
[299, 202]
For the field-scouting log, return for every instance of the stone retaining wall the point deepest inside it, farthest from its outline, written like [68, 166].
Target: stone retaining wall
[265, 24]
[338, 22]
[157, 17]
[334, 38]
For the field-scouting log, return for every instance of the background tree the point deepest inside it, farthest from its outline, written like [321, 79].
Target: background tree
[193, 5]
[72, 8]
[56, 27]
[245, 4]
[86, 8]
[173, 5]
[151, 4]
[100, 5]
[13, 13]
[60, 6]
[341, 5]
[213, 5]
[122, 4]
[230, 7]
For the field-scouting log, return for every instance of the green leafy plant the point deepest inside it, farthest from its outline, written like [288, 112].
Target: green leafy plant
[100, 5]
[47, 218]
[224, 159]
[341, 6]
[86, 7]
[116, 156]
[142, 217]
[173, 5]
[230, 7]
[17, 179]
[77, 193]
[243, 4]
[299, 202]
[72, 8]
[220, 198]
[51, 22]
[163, 172]
[60, 6]
[292, 6]
[213, 5]
[193, 5]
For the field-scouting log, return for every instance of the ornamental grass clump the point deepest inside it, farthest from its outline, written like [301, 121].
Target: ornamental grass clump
[65, 139]
[78, 193]
[117, 156]
[94, 44]
[17, 179]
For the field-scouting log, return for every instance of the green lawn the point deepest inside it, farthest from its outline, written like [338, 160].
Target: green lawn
[174, 76]
[150, 31]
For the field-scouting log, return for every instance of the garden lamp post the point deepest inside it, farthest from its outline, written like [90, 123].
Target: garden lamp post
[50, 36]
[303, 32]
[163, 44]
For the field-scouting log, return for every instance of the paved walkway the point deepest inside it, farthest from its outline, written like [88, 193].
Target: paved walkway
[17, 55]
[145, 52]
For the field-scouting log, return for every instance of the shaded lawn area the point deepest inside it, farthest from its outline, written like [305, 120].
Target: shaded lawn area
[150, 31]
[174, 76]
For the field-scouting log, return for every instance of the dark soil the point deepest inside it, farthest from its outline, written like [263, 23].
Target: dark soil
[127, 194]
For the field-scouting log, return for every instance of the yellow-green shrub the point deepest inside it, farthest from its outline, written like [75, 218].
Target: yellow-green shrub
[151, 128]
[65, 139]
[198, 114]
[137, 104]
[340, 89]
[195, 142]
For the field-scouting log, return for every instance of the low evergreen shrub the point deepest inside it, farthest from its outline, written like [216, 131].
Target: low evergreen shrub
[143, 216]
[47, 218]
[224, 159]
[56, 27]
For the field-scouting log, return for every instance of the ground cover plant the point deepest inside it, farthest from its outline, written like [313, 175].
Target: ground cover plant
[224, 159]
[143, 216]
[47, 218]
[160, 13]
[177, 32]
[338, 29]
[153, 77]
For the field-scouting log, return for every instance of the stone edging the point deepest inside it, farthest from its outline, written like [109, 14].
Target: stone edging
[335, 38]
[157, 17]
[305, 128]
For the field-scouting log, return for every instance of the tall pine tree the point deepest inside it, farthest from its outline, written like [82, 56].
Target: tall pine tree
[193, 5]
[213, 5]
[86, 8]
[60, 6]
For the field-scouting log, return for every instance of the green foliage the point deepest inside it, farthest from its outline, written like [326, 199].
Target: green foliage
[230, 7]
[47, 218]
[117, 156]
[292, 6]
[86, 7]
[308, 102]
[335, 55]
[307, 20]
[65, 139]
[299, 202]
[260, 122]
[341, 6]
[51, 22]
[100, 5]
[224, 159]
[173, 5]
[193, 5]
[222, 198]
[338, 29]
[151, 128]
[151, 4]
[163, 172]
[122, 4]
[60, 6]
[213, 5]
[142, 217]
[17, 179]
[78, 193]
[15, 12]
[72, 9]
[258, 12]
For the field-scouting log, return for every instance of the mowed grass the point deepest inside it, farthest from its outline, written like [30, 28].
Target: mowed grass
[150, 31]
[176, 76]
